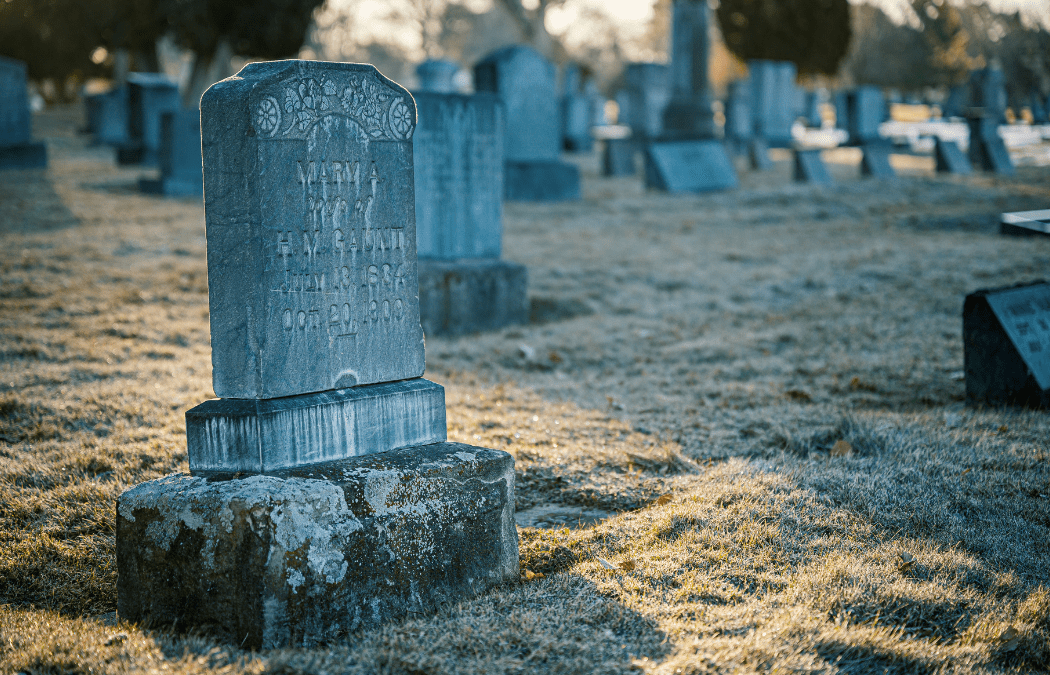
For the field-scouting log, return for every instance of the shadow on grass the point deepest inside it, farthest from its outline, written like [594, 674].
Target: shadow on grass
[855, 659]
[29, 203]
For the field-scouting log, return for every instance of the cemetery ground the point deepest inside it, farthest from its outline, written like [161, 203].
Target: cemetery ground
[738, 421]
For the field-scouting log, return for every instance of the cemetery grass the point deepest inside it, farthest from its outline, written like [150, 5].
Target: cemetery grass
[738, 422]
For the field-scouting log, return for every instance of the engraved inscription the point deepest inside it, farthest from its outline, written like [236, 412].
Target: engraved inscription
[1025, 315]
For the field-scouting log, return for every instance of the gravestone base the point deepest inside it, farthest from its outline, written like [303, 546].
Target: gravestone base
[875, 162]
[131, 155]
[689, 166]
[810, 168]
[171, 187]
[457, 297]
[618, 157]
[23, 156]
[950, 159]
[309, 555]
[541, 181]
[262, 436]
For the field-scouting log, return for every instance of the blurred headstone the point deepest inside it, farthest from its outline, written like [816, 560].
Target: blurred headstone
[17, 148]
[949, 158]
[758, 154]
[773, 93]
[180, 156]
[875, 161]
[618, 157]
[1025, 224]
[150, 95]
[339, 506]
[811, 113]
[112, 116]
[575, 112]
[988, 94]
[437, 76]
[739, 123]
[987, 150]
[866, 110]
[524, 82]
[689, 166]
[688, 115]
[1040, 113]
[810, 167]
[956, 101]
[464, 287]
[841, 101]
[1006, 346]
[648, 90]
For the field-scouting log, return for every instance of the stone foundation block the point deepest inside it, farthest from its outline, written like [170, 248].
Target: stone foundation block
[261, 436]
[471, 295]
[307, 555]
[541, 181]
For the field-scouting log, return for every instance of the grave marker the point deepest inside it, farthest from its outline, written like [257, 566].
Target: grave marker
[576, 112]
[618, 157]
[866, 110]
[437, 76]
[689, 166]
[988, 94]
[323, 498]
[987, 150]
[180, 156]
[875, 161]
[648, 91]
[1006, 338]
[1025, 223]
[758, 155]
[739, 126]
[17, 148]
[810, 167]
[112, 116]
[773, 94]
[150, 95]
[949, 158]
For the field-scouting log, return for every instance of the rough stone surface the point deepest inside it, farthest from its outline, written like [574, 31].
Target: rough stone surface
[437, 76]
[550, 181]
[458, 149]
[1006, 346]
[949, 158]
[457, 297]
[1026, 224]
[875, 161]
[689, 166]
[265, 436]
[987, 150]
[17, 149]
[772, 100]
[525, 82]
[618, 157]
[150, 95]
[810, 168]
[648, 91]
[310, 211]
[308, 555]
[180, 156]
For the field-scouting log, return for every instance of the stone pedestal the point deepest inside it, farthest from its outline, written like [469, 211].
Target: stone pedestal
[457, 297]
[810, 168]
[987, 150]
[307, 555]
[949, 158]
[875, 162]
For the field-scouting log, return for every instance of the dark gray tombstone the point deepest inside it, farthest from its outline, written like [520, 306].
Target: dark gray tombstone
[618, 157]
[180, 156]
[758, 154]
[1025, 224]
[1040, 113]
[956, 101]
[773, 93]
[17, 148]
[1006, 346]
[987, 151]
[150, 95]
[841, 101]
[867, 110]
[988, 94]
[688, 115]
[437, 76]
[112, 116]
[739, 123]
[875, 161]
[811, 112]
[689, 166]
[810, 167]
[524, 82]
[323, 497]
[949, 158]
[648, 91]
[464, 287]
[576, 112]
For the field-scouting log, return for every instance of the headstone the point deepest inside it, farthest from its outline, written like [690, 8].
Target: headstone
[875, 161]
[955, 102]
[988, 94]
[689, 166]
[618, 157]
[1040, 113]
[464, 287]
[180, 156]
[648, 90]
[437, 76]
[810, 167]
[811, 112]
[92, 108]
[1006, 346]
[150, 95]
[575, 112]
[1025, 223]
[17, 148]
[867, 110]
[841, 101]
[323, 498]
[739, 123]
[112, 114]
[987, 150]
[524, 82]
[772, 100]
[758, 155]
[688, 115]
[949, 158]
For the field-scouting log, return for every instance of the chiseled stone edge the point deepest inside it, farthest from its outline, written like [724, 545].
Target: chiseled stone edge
[303, 558]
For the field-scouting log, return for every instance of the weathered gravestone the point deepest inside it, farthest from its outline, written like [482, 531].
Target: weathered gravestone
[576, 113]
[314, 508]
[810, 167]
[437, 76]
[773, 100]
[739, 125]
[112, 117]
[955, 101]
[987, 150]
[464, 287]
[841, 102]
[180, 156]
[648, 91]
[758, 154]
[689, 166]
[524, 81]
[1025, 223]
[866, 111]
[1006, 339]
[149, 96]
[949, 158]
[811, 109]
[875, 161]
[17, 148]
[988, 95]
[1037, 106]
[618, 157]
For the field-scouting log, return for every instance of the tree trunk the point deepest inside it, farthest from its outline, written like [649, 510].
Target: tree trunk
[207, 70]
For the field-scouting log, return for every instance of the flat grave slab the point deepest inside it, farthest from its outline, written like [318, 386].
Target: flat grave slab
[689, 166]
[1006, 339]
[875, 161]
[950, 159]
[810, 168]
[1025, 223]
[309, 198]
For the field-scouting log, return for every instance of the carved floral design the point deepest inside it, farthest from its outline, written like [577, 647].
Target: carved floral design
[361, 97]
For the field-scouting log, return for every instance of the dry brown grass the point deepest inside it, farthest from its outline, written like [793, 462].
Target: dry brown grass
[751, 400]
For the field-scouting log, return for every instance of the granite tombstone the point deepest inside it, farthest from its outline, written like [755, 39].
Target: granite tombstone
[1006, 340]
[618, 157]
[949, 158]
[576, 113]
[810, 167]
[437, 76]
[1025, 223]
[524, 81]
[112, 116]
[875, 161]
[648, 91]
[758, 154]
[689, 166]
[988, 94]
[180, 156]
[150, 95]
[772, 100]
[739, 125]
[866, 111]
[987, 150]
[315, 508]
[17, 148]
